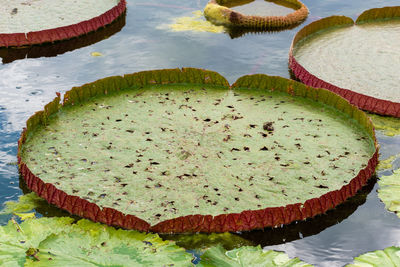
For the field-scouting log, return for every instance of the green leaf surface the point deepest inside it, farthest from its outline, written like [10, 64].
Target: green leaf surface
[389, 191]
[247, 256]
[17, 239]
[21, 16]
[229, 150]
[58, 242]
[389, 257]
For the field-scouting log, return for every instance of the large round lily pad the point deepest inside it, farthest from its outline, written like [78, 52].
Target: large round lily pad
[178, 151]
[357, 60]
[28, 22]
[275, 15]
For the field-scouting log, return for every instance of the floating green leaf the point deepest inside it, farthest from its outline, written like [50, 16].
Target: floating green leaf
[149, 131]
[389, 257]
[247, 256]
[58, 242]
[389, 191]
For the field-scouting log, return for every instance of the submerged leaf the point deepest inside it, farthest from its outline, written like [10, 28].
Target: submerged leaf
[25, 203]
[24, 216]
[388, 125]
[387, 163]
[389, 257]
[247, 256]
[202, 241]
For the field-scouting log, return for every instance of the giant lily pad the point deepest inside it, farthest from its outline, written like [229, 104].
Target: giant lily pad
[389, 191]
[58, 242]
[179, 151]
[27, 22]
[228, 13]
[357, 60]
[389, 257]
[248, 256]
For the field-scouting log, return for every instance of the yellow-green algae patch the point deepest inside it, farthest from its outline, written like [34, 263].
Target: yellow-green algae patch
[387, 163]
[388, 125]
[195, 23]
[362, 58]
[165, 151]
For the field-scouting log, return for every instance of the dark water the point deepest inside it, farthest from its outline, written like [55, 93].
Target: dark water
[142, 44]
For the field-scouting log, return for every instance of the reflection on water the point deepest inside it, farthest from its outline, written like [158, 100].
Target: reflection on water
[142, 45]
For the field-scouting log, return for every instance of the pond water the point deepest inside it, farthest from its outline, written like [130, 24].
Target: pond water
[145, 43]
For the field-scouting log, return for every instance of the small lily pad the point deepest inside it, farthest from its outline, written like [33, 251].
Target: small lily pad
[248, 256]
[389, 257]
[389, 191]
[228, 13]
[337, 53]
[179, 151]
[22, 23]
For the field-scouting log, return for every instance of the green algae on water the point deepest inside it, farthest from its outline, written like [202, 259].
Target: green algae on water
[195, 23]
[387, 125]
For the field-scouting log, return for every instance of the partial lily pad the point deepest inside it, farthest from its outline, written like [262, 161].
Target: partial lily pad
[337, 53]
[261, 14]
[389, 191]
[248, 256]
[34, 22]
[10, 54]
[389, 257]
[179, 151]
[58, 242]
